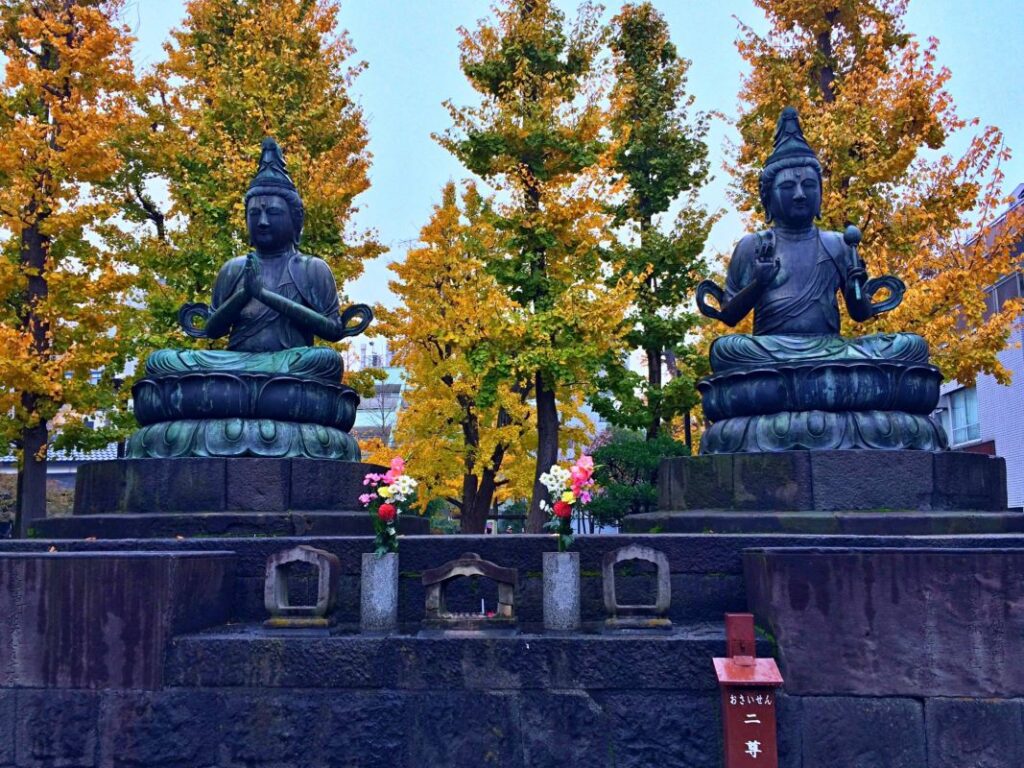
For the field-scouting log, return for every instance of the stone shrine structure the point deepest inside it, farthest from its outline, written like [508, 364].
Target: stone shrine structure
[891, 581]
[795, 383]
[436, 581]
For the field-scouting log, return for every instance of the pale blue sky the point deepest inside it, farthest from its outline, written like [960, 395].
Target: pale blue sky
[412, 50]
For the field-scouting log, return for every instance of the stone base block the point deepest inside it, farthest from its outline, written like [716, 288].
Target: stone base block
[900, 523]
[839, 481]
[104, 619]
[218, 485]
[902, 622]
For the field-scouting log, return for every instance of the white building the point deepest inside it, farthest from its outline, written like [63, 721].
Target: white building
[988, 417]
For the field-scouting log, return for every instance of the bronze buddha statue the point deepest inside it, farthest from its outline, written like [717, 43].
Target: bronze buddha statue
[795, 382]
[271, 392]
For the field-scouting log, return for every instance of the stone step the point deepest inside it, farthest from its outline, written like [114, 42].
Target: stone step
[895, 522]
[495, 660]
[219, 524]
[854, 523]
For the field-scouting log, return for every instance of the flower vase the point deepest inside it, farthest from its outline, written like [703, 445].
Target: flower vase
[562, 591]
[379, 593]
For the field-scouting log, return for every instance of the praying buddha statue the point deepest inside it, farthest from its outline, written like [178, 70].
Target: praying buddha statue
[795, 383]
[271, 392]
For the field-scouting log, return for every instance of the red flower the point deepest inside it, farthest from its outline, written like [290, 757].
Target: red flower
[562, 509]
[387, 512]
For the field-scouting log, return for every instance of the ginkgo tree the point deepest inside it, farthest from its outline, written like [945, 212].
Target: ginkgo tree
[873, 103]
[66, 319]
[659, 153]
[458, 430]
[536, 136]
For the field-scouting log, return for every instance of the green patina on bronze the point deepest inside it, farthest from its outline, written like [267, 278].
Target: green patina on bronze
[271, 393]
[795, 383]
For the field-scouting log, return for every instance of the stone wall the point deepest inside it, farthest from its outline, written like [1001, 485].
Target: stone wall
[234, 695]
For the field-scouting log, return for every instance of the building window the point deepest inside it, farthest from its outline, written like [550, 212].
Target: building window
[963, 406]
[1000, 293]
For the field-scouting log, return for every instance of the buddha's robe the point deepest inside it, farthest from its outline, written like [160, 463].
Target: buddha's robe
[262, 340]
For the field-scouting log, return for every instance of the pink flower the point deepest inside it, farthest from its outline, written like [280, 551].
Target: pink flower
[372, 479]
[582, 470]
[585, 497]
[398, 465]
[365, 498]
[390, 476]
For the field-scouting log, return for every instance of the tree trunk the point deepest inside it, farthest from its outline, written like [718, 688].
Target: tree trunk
[471, 521]
[547, 451]
[35, 247]
[654, 386]
[477, 507]
[31, 480]
[827, 74]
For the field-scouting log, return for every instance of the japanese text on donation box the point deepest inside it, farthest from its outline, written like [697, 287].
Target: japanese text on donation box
[751, 715]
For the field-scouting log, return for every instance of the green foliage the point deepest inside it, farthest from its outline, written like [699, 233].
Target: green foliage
[563, 527]
[538, 137]
[659, 154]
[627, 472]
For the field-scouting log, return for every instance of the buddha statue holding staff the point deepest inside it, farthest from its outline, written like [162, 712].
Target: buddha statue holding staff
[795, 382]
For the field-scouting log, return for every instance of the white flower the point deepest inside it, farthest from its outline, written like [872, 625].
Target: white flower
[551, 483]
[404, 485]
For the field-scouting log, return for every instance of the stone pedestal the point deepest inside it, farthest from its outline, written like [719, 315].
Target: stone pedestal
[562, 591]
[839, 492]
[378, 592]
[164, 498]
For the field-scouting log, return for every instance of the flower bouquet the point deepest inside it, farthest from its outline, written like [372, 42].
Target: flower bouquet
[390, 494]
[568, 487]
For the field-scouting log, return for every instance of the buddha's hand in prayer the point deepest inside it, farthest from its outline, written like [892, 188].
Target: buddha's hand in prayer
[252, 276]
[766, 264]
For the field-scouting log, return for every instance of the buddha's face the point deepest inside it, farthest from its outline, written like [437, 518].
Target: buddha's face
[796, 197]
[270, 224]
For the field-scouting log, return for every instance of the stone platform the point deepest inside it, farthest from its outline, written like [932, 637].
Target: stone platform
[140, 688]
[158, 498]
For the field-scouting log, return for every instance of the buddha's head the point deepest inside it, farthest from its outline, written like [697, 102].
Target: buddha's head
[274, 213]
[790, 187]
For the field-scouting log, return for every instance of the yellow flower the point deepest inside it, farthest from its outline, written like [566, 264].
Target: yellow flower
[384, 491]
[569, 497]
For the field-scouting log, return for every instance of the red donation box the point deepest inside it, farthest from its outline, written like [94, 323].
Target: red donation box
[749, 687]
